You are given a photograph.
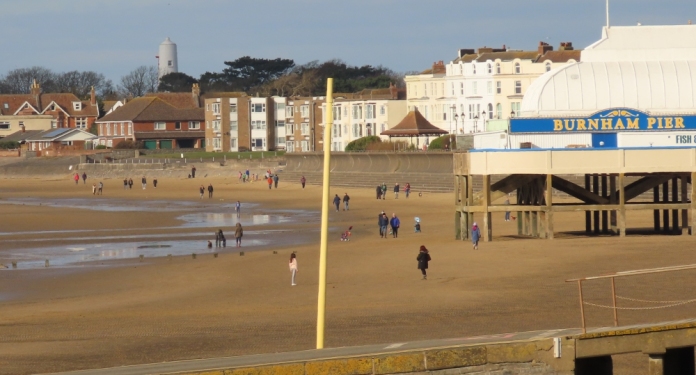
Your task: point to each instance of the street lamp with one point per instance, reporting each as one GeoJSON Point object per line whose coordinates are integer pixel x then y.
{"type": "Point", "coordinates": [512, 114]}
{"type": "Point", "coordinates": [483, 117]}
{"type": "Point", "coordinates": [463, 116]}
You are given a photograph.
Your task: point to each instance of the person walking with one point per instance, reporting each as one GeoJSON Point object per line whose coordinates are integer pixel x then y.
{"type": "Point", "coordinates": [475, 235]}
{"type": "Point", "coordinates": [337, 202]}
{"type": "Point", "coordinates": [238, 208]}
{"type": "Point", "coordinates": [346, 199]}
{"type": "Point", "coordinates": [396, 191]}
{"type": "Point", "coordinates": [293, 268]}
{"type": "Point", "coordinates": [100, 190]}
{"type": "Point", "coordinates": [84, 178]}
{"type": "Point", "coordinates": [383, 224]}
{"type": "Point", "coordinates": [218, 238]}
{"type": "Point", "coordinates": [303, 181]}
{"type": "Point", "coordinates": [379, 192]}
{"type": "Point", "coordinates": [201, 190]}
{"type": "Point", "coordinates": [130, 183]}
{"type": "Point", "coordinates": [238, 233]}
{"type": "Point", "coordinates": [423, 259]}
{"type": "Point", "coordinates": [210, 191]}
{"type": "Point", "coordinates": [76, 177]}
{"type": "Point", "coordinates": [94, 189]}
{"type": "Point", "coordinates": [269, 179]}
{"type": "Point", "coordinates": [154, 183]}
{"type": "Point", "coordinates": [240, 177]}
{"type": "Point", "coordinates": [193, 171]}
{"type": "Point", "coordinates": [384, 190]}
{"type": "Point", "coordinates": [507, 213]}
{"type": "Point", "coordinates": [275, 180]}
{"type": "Point", "coordinates": [144, 181]}
{"type": "Point", "coordinates": [407, 189]}
{"type": "Point", "coordinates": [125, 183]}
{"type": "Point", "coordinates": [395, 223]}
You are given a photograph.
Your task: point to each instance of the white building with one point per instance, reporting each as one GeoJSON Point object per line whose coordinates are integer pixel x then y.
{"type": "Point", "coordinates": [357, 118]}
{"type": "Point", "coordinates": [479, 87]}
{"type": "Point", "coordinates": [167, 61]}
{"type": "Point", "coordinates": [635, 87]}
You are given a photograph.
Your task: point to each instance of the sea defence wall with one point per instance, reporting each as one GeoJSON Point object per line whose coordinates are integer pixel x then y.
{"type": "Point", "coordinates": [425, 171]}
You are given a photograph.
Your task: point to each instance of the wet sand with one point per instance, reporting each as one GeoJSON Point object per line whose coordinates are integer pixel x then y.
{"type": "Point", "coordinates": [125, 311]}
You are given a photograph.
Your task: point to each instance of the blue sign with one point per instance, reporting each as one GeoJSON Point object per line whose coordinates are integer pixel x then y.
{"type": "Point", "coordinates": [611, 120]}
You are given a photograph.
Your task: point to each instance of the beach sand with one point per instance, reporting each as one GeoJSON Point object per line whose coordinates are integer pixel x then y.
{"type": "Point", "coordinates": [125, 311]}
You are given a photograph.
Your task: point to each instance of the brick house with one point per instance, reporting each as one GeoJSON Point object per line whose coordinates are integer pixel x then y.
{"type": "Point", "coordinates": [52, 141]}
{"type": "Point", "coordinates": [38, 111]}
{"type": "Point", "coordinates": [236, 122]}
{"type": "Point", "coordinates": [155, 122]}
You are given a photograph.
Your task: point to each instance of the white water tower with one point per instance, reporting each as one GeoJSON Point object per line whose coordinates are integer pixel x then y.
{"type": "Point", "coordinates": [166, 60]}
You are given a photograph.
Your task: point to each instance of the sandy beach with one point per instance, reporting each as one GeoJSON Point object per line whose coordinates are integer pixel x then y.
{"type": "Point", "coordinates": [113, 312]}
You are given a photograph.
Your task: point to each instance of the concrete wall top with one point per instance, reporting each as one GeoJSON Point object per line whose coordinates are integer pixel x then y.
{"type": "Point", "coordinates": [383, 162]}
{"type": "Point", "coordinates": [650, 160]}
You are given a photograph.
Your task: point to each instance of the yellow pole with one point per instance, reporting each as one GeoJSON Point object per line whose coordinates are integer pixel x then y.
{"type": "Point", "coordinates": [321, 301]}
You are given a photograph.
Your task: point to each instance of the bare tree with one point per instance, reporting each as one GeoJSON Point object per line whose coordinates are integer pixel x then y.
{"type": "Point", "coordinates": [18, 81]}
{"type": "Point", "coordinates": [81, 83]}
{"type": "Point", "coordinates": [140, 81]}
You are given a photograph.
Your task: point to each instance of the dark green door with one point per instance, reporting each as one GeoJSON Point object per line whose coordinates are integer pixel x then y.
{"type": "Point", "coordinates": [166, 144]}
{"type": "Point", "coordinates": [150, 145]}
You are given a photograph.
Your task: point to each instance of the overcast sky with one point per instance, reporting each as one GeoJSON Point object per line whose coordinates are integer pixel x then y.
{"type": "Point", "coordinates": [114, 37]}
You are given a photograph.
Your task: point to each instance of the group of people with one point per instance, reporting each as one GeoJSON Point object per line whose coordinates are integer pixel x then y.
{"type": "Point", "coordinates": [76, 177]}
{"type": "Point", "coordinates": [128, 183]}
{"type": "Point", "coordinates": [381, 190]}
{"type": "Point", "coordinates": [337, 202]}
{"type": "Point", "coordinates": [221, 241]}
{"type": "Point", "coordinates": [201, 190]}
{"type": "Point", "coordinates": [271, 179]}
{"type": "Point", "coordinates": [388, 226]}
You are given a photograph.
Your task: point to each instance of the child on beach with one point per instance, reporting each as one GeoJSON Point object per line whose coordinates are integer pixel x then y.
{"type": "Point", "coordinates": [475, 235]}
{"type": "Point", "coordinates": [345, 236]}
{"type": "Point", "coordinates": [293, 268]}
{"type": "Point", "coordinates": [417, 226]}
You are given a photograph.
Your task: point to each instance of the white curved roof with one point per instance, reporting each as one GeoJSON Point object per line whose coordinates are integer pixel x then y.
{"type": "Point", "coordinates": [167, 41]}
{"type": "Point", "coordinates": [586, 87]}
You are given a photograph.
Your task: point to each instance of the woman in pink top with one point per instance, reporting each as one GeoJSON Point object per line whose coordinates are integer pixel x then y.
{"type": "Point", "coordinates": [293, 267]}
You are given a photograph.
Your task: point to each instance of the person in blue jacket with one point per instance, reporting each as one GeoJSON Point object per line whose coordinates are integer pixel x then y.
{"type": "Point", "coordinates": [395, 224]}
{"type": "Point", "coordinates": [475, 235]}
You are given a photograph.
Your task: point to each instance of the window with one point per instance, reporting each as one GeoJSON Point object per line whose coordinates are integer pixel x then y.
{"type": "Point", "coordinates": [194, 125]}
{"type": "Point", "coordinates": [123, 129]}
{"type": "Point", "coordinates": [130, 128]}
{"type": "Point", "coordinates": [258, 107]}
{"type": "Point", "coordinates": [216, 108]}
{"type": "Point", "coordinates": [217, 143]}
{"type": "Point", "coordinates": [289, 111]}
{"type": "Point", "coordinates": [233, 126]}
{"type": "Point", "coordinates": [452, 88]}
{"type": "Point", "coordinates": [336, 113]}
{"type": "Point", "coordinates": [177, 125]}
{"type": "Point", "coordinates": [497, 68]}
{"type": "Point", "coordinates": [159, 126]}
{"type": "Point", "coordinates": [425, 89]}
{"type": "Point", "coordinates": [490, 111]}
{"type": "Point", "coordinates": [169, 62]}
{"type": "Point", "coordinates": [357, 112]}
{"type": "Point", "coordinates": [444, 112]}
{"type": "Point", "coordinates": [382, 110]}
{"type": "Point", "coordinates": [216, 125]}
{"type": "Point", "coordinates": [77, 106]}
{"type": "Point", "coordinates": [280, 140]}
{"type": "Point", "coordinates": [233, 108]}
{"type": "Point", "coordinates": [499, 111]}
{"type": "Point", "coordinates": [461, 88]}
{"type": "Point", "coordinates": [518, 87]}
{"type": "Point", "coordinates": [515, 108]}
{"type": "Point", "coordinates": [518, 68]}
{"type": "Point", "coordinates": [305, 146]}
{"type": "Point", "coordinates": [115, 129]}
{"type": "Point", "coordinates": [4, 125]}
{"type": "Point", "coordinates": [81, 122]}
{"type": "Point", "coordinates": [490, 68]}
{"type": "Point", "coordinates": [6, 105]}
{"type": "Point", "coordinates": [474, 88]}
{"type": "Point", "coordinates": [233, 142]}
{"type": "Point", "coordinates": [280, 124]}
{"type": "Point", "coordinates": [384, 127]}
{"type": "Point", "coordinates": [258, 142]}
{"type": "Point", "coordinates": [489, 87]}
{"type": "Point", "coordinates": [258, 124]}
{"type": "Point", "coordinates": [304, 111]}
{"type": "Point", "coordinates": [473, 68]}
{"type": "Point", "coordinates": [108, 129]}
{"type": "Point", "coordinates": [280, 107]}
{"type": "Point", "coordinates": [548, 66]}
{"type": "Point", "coordinates": [356, 132]}
{"type": "Point", "coordinates": [471, 111]}
{"type": "Point", "coordinates": [290, 146]}
{"type": "Point", "coordinates": [305, 128]}
{"type": "Point", "coordinates": [498, 87]}
{"type": "Point", "coordinates": [370, 111]}
{"type": "Point", "coordinates": [368, 130]}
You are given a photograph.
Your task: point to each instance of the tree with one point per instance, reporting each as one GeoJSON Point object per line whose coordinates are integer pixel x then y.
{"type": "Point", "coordinates": [140, 81]}
{"type": "Point", "coordinates": [176, 82]}
{"type": "Point", "coordinates": [18, 81]}
{"type": "Point", "coordinates": [81, 83]}
{"type": "Point", "coordinates": [248, 72]}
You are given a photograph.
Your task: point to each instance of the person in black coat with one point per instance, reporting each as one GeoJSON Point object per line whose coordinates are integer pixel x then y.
{"type": "Point", "coordinates": [423, 259]}
{"type": "Point", "coordinates": [337, 202]}
{"type": "Point", "coordinates": [379, 192]}
{"type": "Point", "coordinates": [383, 224]}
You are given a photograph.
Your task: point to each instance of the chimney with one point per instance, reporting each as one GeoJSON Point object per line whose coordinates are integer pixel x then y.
{"type": "Point", "coordinates": [23, 129]}
{"type": "Point", "coordinates": [36, 92]}
{"type": "Point", "coordinates": [393, 91]}
{"type": "Point", "coordinates": [463, 52]}
{"type": "Point", "coordinates": [92, 97]}
{"type": "Point", "coordinates": [196, 94]}
{"type": "Point", "coordinates": [543, 48]}
{"type": "Point", "coordinates": [566, 46]}
{"type": "Point", "coordinates": [439, 67]}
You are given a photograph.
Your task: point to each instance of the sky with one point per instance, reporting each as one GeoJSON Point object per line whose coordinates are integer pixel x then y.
{"type": "Point", "coordinates": [114, 37]}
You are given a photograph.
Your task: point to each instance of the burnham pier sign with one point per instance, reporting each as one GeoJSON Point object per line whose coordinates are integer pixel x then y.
{"type": "Point", "coordinates": [610, 121]}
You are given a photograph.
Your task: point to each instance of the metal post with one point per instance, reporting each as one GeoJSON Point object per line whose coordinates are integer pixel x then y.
{"type": "Point", "coordinates": [582, 307]}
{"type": "Point", "coordinates": [321, 300]}
{"type": "Point", "coordinates": [613, 298]}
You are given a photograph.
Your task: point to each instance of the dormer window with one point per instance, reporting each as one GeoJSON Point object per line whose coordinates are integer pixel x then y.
{"type": "Point", "coordinates": [548, 66]}
{"type": "Point", "coordinates": [77, 106]}
{"type": "Point", "coordinates": [518, 68]}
